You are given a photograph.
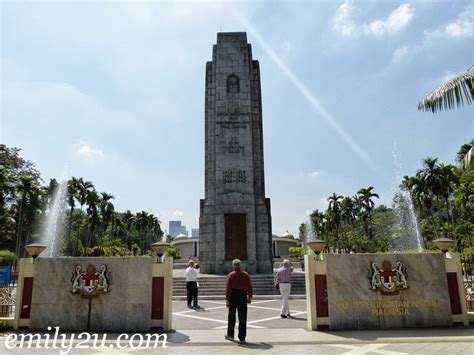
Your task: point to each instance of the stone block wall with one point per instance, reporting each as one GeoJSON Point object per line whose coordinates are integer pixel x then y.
{"type": "Point", "coordinates": [127, 307]}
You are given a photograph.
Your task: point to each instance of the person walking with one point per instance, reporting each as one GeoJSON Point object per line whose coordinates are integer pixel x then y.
{"type": "Point", "coordinates": [283, 281]}
{"type": "Point", "coordinates": [238, 293]}
{"type": "Point", "coordinates": [192, 273]}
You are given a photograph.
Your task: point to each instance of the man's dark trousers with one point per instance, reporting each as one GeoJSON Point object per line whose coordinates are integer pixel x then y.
{"type": "Point", "coordinates": [192, 291]}
{"type": "Point", "coordinates": [238, 301]}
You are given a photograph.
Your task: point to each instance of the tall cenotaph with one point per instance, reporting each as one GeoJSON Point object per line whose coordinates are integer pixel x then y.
{"type": "Point", "coordinates": [235, 219]}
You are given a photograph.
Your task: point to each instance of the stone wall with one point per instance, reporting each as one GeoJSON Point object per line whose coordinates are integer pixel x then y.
{"type": "Point", "coordinates": [353, 304]}
{"type": "Point", "coordinates": [127, 307]}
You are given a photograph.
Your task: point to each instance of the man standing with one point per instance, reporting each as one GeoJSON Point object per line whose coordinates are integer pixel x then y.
{"type": "Point", "coordinates": [283, 280]}
{"type": "Point", "coordinates": [238, 293]}
{"type": "Point", "coordinates": [192, 273]}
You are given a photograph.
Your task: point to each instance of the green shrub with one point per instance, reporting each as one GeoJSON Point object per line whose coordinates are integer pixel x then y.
{"type": "Point", "coordinates": [3, 325]}
{"type": "Point", "coordinates": [174, 252]}
{"type": "Point", "coordinates": [7, 255]}
{"type": "Point", "coordinates": [468, 253]}
{"type": "Point", "coordinates": [135, 249]}
{"type": "Point", "coordinates": [296, 252]}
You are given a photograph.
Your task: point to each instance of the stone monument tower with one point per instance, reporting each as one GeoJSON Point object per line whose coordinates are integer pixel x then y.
{"type": "Point", "coordinates": [235, 220]}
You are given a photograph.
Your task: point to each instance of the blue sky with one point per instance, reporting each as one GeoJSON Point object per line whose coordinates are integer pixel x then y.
{"type": "Point", "coordinates": [115, 91]}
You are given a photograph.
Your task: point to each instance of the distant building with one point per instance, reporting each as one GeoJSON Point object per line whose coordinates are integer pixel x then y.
{"type": "Point", "coordinates": [176, 228]}
{"type": "Point", "coordinates": [281, 244]}
{"type": "Point", "coordinates": [195, 233]}
{"type": "Point", "coordinates": [188, 248]}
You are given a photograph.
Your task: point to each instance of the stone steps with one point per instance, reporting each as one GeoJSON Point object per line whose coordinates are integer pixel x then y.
{"type": "Point", "coordinates": [214, 286]}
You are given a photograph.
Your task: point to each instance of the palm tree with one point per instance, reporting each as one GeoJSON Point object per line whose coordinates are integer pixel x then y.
{"type": "Point", "coordinates": [448, 179]}
{"type": "Point", "coordinates": [451, 94]}
{"type": "Point", "coordinates": [334, 214]}
{"type": "Point", "coordinates": [24, 189]}
{"type": "Point", "coordinates": [7, 189]}
{"type": "Point", "coordinates": [106, 211]}
{"type": "Point", "coordinates": [142, 221]}
{"type": "Point", "coordinates": [32, 210]}
{"type": "Point", "coordinates": [430, 175]}
{"type": "Point", "coordinates": [129, 219]}
{"type": "Point", "coordinates": [72, 187]}
{"type": "Point", "coordinates": [318, 224]}
{"type": "Point", "coordinates": [365, 198]}
{"type": "Point", "coordinates": [93, 201]}
{"type": "Point", "coordinates": [83, 189]}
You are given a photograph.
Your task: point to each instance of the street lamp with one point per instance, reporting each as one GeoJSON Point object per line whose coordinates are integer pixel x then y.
{"type": "Point", "coordinates": [35, 250]}
{"type": "Point", "coordinates": [443, 244]}
{"type": "Point", "coordinates": [317, 246]}
{"type": "Point", "coordinates": [159, 248]}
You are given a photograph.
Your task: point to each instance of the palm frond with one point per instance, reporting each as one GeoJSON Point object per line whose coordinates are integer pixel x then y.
{"type": "Point", "coordinates": [451, 94]}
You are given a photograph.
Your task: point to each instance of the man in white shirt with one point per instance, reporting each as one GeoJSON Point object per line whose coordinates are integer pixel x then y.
{"type": "Point", "coordinates": [192, 273]}
{"type": "Point", "coordinates": [283, 280]}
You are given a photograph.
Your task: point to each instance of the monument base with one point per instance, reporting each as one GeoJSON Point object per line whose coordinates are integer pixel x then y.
{"type": "Point", "coordinates": [235, 231]}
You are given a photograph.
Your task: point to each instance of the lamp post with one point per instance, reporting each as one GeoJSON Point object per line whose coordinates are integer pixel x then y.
{"type": "Point", "coordinates": [159, 248]}
{"type": "Point", "coordinates": [443, 244]}
{"type": "Point", "coordinates": [35, 250]}
{"type": "Point", "coordinates": [317, 246]}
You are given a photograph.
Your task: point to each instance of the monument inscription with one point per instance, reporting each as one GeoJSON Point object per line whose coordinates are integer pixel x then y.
{"type": "Point", "coordinates": [369, 291]}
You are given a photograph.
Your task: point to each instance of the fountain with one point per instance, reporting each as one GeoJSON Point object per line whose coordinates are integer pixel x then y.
{"type": "Point", "coordinates": [53, 227]}
{"type": "Point", "coordinates": [409, 237]}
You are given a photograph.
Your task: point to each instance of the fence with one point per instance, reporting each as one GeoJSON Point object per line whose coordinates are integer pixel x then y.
{"type": "Point", "coordinates": [467, 264]}
{"type": "Point", "coordinates": [8, 288]}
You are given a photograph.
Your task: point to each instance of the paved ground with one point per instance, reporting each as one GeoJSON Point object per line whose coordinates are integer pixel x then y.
{"type": "Point", "coordinates": [293, 341]}
{"type": "Point", "coordinates": [262, 314]}
{"type": "Point", "coordinates": [202, 332]}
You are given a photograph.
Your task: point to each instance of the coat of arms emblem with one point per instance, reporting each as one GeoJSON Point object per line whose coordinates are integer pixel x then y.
{"type": "Point", "coordinates": [91, 282]}
{"type": "Point", "coordinates": [387, 279]}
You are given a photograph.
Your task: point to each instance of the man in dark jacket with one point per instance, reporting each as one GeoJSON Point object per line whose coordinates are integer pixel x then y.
{"type": "Point", "coordinates": [238, 293]}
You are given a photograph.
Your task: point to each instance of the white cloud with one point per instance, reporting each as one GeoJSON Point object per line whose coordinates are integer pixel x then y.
{"type": "Point", "coordinates": [375, 28]}
{"type": "Point", "coordinates": [178, 213]}
{"type": "Point", "coordinates": [315, 174]}
{"type": "Point", "coordinates": [397, 20]}
{"type": "Point", "coordinates": [324, 200]}
{"type": "Point", "coordinates": [400, 18]}
{"type": "Point", "coordinates": [463, 26]}
{"type": "Point", "coordinates": [89, 153]}
{"type": "Point", "coordinates": [400, 53]}
{"type": "Point", "coordinates": [343, 19]}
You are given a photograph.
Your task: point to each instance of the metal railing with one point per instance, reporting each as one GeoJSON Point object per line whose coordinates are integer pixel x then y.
{"type": "Point", "coordinates": [8, 288]}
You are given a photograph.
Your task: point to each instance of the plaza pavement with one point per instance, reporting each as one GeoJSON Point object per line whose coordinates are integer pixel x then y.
{"type": "Point", "coordinates": [202, 332]}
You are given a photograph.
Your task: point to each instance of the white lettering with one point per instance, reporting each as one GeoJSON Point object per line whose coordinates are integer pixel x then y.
{"type": "Point", "coordinates": [8, 341]}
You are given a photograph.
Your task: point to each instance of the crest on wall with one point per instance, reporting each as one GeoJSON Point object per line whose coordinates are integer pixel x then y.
{"type": "Point", "coordinates": [91, 282]}
{"type": "Point", "coordinates": [387, 279]}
